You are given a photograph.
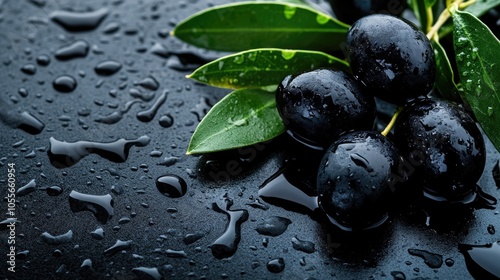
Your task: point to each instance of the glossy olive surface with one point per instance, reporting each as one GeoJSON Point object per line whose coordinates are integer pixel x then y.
{"type": "Point", "coordinates": [319, 105]}
{"type": "Point", "coordinates": [443, 145]}
{"type": "Point", "coordinates": [392, 57]}
{"type": "Point", "coordinates": [354, 179]}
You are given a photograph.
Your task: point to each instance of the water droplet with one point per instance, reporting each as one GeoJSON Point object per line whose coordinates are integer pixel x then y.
{"type": "Point", "coordinates": [166, 121]}
{"type": "Point", "coordinates": [237, 122]}
{"type": "Point", "coordinates": [118, 247]}
{"type": "Point", "coordinates": [322, 19]}
{"type": "Point", "coordinates": [23, 92]}
{"type": "Point", "coordinates": [201, 109]}
{"type": "Point", "coordinates": [107, 67]}
{"type": "Point", "coordinates": [178, 254]}
{"type": "Point", "coordinates": [430, 259]}
{"type": "Point", "coordinates": [100, 205]}
{"type": "Point", "coordinates": [226, 245]}
{"type": "Point", "coordinates": [491, 229]}
{"type": "Point", "coordinates": [279, 190]}
{"type": "Point", "coordinates": [54, 190]}
{"type": "Point", "coordinates": [98, 233]}
{"type": "Point", "coordinates": [83, 21]}
{"type": "Point", "coordinates": [474, 53]}
{"type": "Point", "coordinates": [148, 83]}
{"type": "Point", "coordinates": [149, 114]}
{"type": "Point", "coordinates": [490, 111]}
{"type": "Point", "coordinates": [398, 275]}
{"type": "Point", "coordinates": [191, 238]}
{"type": "Point", "coordinates": [288, 54]}
{"type": "Point", "coordinates": [289, 11]}
{"type": "Point", "coordinates": [169, 161]}
{"type": "Point", "coordinates": [171, 186]}
{"type": "Point", "coordinates": [64, 83]}
{"type": "Point", "coordinates": [29, 123]}
{"type": "Point", "coordinates": [116, 116]}
{"type": "Point", "coordinates": [65, 154]}
{"type": "Point", "coordinates": [496, 174]}
{"type": "Point", "coordinates": [468, 84]}
{"type": "Point", "coordinates": [111, 27]}
{"type": "Point", "coordinates": [29, 69]}
{"type": "Point", "coordinates": [147, 273]}
{"type": "Point", "coordinates": [57, 240]}
{"type": "Point", "coordinates": [273, 226]}
{"type": "Point", "coordinates": [259, 205]}
{"type": "Point", "coordinates": [26, 189]}
{"type": "Point", "coordinates": [302, 245]}
{"type": "Point", "coordinates": [482, 260]}
{"type": "Point", "coordinates": [239, 59]}
{"type": "Point", "coordinates": [276, 265]}
{"type": "Point", "coordinates": [76, 49]}
{"type": "Point", "coordinates": [461, 41]}
{"type": "Point", "coordinates": [144, 96]}
{"type": "Point", "coordinates": [43, 60]}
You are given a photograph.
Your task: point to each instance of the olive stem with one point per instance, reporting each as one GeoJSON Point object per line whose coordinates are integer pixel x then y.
{"type": "Point", "coordinates": [392, 122]}
{"type": "Point", "coordinates": [445, 15]}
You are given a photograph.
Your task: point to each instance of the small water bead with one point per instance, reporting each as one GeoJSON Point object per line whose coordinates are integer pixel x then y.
{"type": "Point", "coordinates": [64, 83]}
{"type": "Point", "coordinates": [58, 239]}
{"type": "Point", "coordinates": [178, 254]}
{"type": "Point", "coordinates": [29, 123]}
{"type": "Point", "coordinates": [111, 28]}
{"type": "Point", "coordinates": [289, 11]}
{"type": "Point", "coordinates": [490, 111]}
{"type": "Point", "coordinates": [491, 229]}
{"type": "Point", "coordinates": [171, 185]}
{"type": "Point", "coordinates": [23, 92]}
{"type": "Point", "coordinates": [276, 265]}
{"type": "Point", "coordinates": [29, 69]}
{"type": "Point", "coordinates": [191, 238]}
{"type": "Point", "coordinates": [303, 245]}
{"type": "Point", "coordinates": [26, 189]}
{"type": "Point", "coordinates": [79, 21]}
{"type": "Point", "coordinates": [118, 247]}
{"type": "Point", "coordinates": [398, 275]}
{"type": "Point", "coordinates": [107, 68]}
{"type": "Point", "coordinates": [144, 96]}
{"type": "Point", "coordinates": [147, 273]}
{"type": "Point", "coordinates": [148, 83]}
{"type": "Point", "coordinates": [73, 50]}
{"type": "Point", "coordinates": [100, 205]}
{"type": "Point", "coordinates": [98, 233]}
{"type": "Point", "coordinates": [201, 109]}
{"type": "Point", "coordinates": [273, 226]}
{"type": "Point", "coordinates": [54, 190]}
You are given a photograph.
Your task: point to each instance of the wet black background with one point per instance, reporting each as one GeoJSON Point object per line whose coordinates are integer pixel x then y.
{"type": "Point", "coordinates": [158, 223]}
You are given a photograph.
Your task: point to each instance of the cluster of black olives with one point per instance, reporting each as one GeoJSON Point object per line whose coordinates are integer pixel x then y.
{"type": "Point", "coordinates": [436, 145]}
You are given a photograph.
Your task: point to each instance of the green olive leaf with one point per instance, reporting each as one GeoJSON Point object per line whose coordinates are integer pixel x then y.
{"type": "Point", "coordinates": [262, 68]}
{"type": "Point", "coordinates": [445, 82]}
{"type": "Point", "coordinates": [478, 61]}
{"type": "Point", "coordinates": [480, 7]}
{"type": "Point", "coordinates": [250, 25]}
{"type": "Point", "coordinates": [242, 118]}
